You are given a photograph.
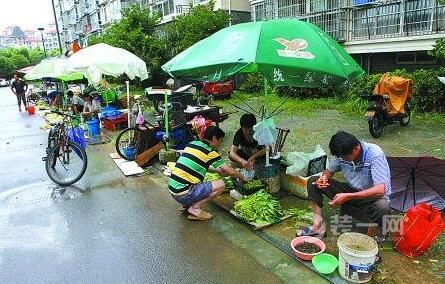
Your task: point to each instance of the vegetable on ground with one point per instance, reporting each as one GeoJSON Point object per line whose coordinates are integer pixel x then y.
{"type": "Point", "coordinates": [260, 207]}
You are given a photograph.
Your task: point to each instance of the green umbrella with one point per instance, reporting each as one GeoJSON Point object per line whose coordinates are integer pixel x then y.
{"type": "Point", "coordinates": [288, 52]}
{"type": "Point", "coordinates": [54, 67]}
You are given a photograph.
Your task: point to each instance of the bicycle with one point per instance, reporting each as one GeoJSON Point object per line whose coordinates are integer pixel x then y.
{"type": "Point", "coordinates": [128, 141]}
{"type": "Point", "coordinates": [65, 161]}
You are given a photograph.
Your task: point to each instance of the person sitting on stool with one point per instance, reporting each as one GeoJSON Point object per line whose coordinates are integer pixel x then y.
{"type": "Point", "coordinates": [91, 107]}
{"type": "Point", "coordinates": [366, 190]}
{"type": "Point", "coordinates": [244, 148]}
{"type": "Point", "coordinates": [76, 101]}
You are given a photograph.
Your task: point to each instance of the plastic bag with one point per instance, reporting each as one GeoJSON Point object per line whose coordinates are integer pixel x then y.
{"type": "Point", "coordinates": [265, 132]}
{"type": "Point", "coordinates": [140, 118]}
{"type": "Point", "coordinates": [248, 174]}
{"type": "Point", "coordinates": [200, 124]}
{"type": "Point", "coordinates": [300, 161]}
{"type": "Point", "coordinates": [110, 111]}
{"type": "Point", "coordinates": [77, 135]}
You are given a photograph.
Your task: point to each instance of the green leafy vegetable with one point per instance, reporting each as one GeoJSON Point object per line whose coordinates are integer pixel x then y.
{"type": "Point", "coordinates": [214, 176]}
{"type": "Point", "coordinates": [303, 215]}
{"type": "Point", "coordinates": [260, 207]}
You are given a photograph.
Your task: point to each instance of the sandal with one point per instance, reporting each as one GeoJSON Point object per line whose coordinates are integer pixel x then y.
{"type": "Point", "coordinates": [202, 216]}
{"type": "Point", "coordinates": [307, 231]}
{"type": "Point", "coordinates": [183, 208]}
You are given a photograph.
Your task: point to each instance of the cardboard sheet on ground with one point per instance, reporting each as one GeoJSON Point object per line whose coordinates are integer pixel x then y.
{"type": "Point", "coordinates": [129, 168]}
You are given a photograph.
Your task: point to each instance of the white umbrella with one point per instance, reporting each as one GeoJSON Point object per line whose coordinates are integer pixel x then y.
{"type": "Point", "coordinates": [103, 59]}
{"type": "Point", "coordinates": [54, 67]}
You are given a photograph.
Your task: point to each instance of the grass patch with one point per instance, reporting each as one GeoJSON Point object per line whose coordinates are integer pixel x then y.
{"type": "Point", "coordinates": [355, 107]}
{"type": "Point", "coordinates": [305, 107]}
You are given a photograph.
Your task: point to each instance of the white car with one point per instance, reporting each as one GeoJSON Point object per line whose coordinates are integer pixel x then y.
{"type": "Point", "coordinates": [4, 82]}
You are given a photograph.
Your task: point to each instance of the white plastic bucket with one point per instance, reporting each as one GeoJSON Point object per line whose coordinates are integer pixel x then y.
{"type": "Point", "coordinates": [357, 254]}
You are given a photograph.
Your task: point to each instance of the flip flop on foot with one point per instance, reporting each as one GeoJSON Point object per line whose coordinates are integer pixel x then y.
{"type": "Point", "coordinates": [183, 209]}
{"type": "Point", "coordinates": [202, 216]}
{"type": "Point", "coordinates": [307, 231]}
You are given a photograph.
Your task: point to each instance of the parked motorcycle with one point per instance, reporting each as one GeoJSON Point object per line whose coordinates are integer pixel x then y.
{"type": "Point", "coordinates": [388, 104]}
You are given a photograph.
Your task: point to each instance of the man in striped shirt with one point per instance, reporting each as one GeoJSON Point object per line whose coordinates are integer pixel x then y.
{"type": "Point", "coordinates": [186, 181]}
{"type": "Point", "coordinates": [364, 195]}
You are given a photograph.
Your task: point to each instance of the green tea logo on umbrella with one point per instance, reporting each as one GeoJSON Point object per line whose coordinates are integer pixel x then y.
{"type": "Point", "coordinates": [294, 48]}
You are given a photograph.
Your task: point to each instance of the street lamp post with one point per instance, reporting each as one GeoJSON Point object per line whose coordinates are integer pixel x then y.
{"type": "Point", "coordinates": [57, 27]}
{"type": "Point", "coordinates": [43, 43]}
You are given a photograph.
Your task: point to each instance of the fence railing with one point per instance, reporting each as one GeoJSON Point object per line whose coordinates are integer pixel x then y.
{"type": "Point", "coordinates": [349, 22]}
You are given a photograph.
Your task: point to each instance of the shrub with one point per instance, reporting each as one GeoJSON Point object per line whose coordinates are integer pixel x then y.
{"type": "Point", "coordinates": [253, 83]}
{"type": "Point", "coordinates": [428, 91]}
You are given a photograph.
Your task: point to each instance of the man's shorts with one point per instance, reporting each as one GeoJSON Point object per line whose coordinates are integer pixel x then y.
{"type": "Point", "coordinates": [197, 193]}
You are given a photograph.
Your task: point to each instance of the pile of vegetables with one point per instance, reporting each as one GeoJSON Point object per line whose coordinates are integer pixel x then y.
{"type": "Point", "coordinates": [214, 176]}
{"type": "Point", "coordinates": [41, 105]}
{"type": "Point", "coordinates": [301, 215]}
{"type": "Point", "coordinates": [251, 187]}
{"type": "Point", "coordinates": [53, 118]}
{"type": "Point", "coordinates": [260, 207]}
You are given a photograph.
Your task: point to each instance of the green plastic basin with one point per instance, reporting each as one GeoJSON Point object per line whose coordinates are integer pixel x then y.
{"type": "Point", "coordinates": [325, 263]}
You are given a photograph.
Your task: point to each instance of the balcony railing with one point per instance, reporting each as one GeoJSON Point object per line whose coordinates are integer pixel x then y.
{"type": "Point", "coordinates": [349, 22]}
{"type": "Point", "coordinates": [182, 9]}
{"type": "Point", "coordinates": [167, 11]}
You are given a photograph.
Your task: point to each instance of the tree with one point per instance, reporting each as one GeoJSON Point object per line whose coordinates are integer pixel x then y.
{"type": "Point", "coordinates": [7, 68]}
{"type": "Point", "coordinates": [12, 59]}
{"type": "Point", "coordinates": [19, 60]}
{"type": "Point", "coordinates": [35, 56]}
{"type": "Point", "coordinates": [135, 32]}
{"type": "Point", "coordinates": [138, 32]}
{"type": "Point", "coordinates": [187, 29]}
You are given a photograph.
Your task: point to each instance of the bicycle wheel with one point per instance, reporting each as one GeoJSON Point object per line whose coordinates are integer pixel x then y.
{"type": "Point", "coordinates": [127, 143]}
{"type": "Point", "coordinates": [66, 164]}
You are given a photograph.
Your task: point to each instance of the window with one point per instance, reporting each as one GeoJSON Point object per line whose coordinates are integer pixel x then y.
{"type": "Point", "coordinates": [414, 58]}
{"type": "Point", "coordinates": [198, 1]}
{"type": "Point", "coordinates": [166, 7]}
{"type": "Point", "coordinates": [259, 12]}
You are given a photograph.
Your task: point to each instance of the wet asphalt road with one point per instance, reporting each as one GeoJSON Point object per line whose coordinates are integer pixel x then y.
{"type": "Point", "coordinates": [112, 229]}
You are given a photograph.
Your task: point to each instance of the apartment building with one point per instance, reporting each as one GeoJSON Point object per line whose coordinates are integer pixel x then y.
{"type": "Point", "coordinates": [381, 35]}
{"type": "Point", "coordinates": [12, 36]}
{"type": "Point", "coordinates": [79, 19]}
{"type": "Point", "coordinates": [169, 9]}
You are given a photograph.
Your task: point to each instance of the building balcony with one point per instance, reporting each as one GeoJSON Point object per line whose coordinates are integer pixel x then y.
{"type": "Point", "coordinates": [361, 20]}
{"type": "Point", "coordinates": [169, 13]}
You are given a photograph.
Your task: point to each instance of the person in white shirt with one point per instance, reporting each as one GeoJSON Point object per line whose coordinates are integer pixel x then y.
{"type": "Point", "coordinates": [91, 107]}
{"type": "Point", "coordinates": [77, 103]}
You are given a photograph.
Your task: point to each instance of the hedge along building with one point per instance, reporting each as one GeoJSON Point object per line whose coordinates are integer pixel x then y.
{"type": "Point", "coordinates": [380, 35]}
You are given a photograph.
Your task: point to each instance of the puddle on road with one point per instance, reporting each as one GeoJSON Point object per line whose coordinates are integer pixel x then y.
{"type": "Point", "coordinates": [38, 194]}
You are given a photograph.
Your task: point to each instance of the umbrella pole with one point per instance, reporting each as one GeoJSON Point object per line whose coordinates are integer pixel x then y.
{"type": "Point", "coordinates": [128, 102]}
{"type": "Point", "coordinates": [166, 119]}
{"type": "Point", "coordinates": [265, 97]}
{"type": "Point", "coordinates": [265, 115]}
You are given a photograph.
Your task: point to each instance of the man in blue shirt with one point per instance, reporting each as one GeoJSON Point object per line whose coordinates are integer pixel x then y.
{"type": "Point", "coordinates": [364, 195]}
